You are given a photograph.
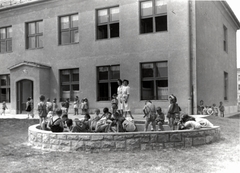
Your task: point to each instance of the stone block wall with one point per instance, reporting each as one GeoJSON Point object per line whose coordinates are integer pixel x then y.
{"type": "Point", "coordinates": [98, 142]}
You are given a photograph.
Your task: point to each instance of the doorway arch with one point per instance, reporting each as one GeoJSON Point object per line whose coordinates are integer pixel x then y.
{"type": "Point", "coordinates": [24, 91]}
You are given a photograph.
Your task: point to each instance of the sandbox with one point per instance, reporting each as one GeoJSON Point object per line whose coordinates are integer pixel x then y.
{"type": "Point", "coordinates": [127, 141]}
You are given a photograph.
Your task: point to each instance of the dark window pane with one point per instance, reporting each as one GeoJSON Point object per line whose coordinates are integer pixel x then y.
{"type": "Point", "coordinates": [65, 76]}
{"type": "Point", "coordinates": [102, 16]}
{"type": "Point", "coordinates": [161, 23]}
{"type": "Point", "coordinates": [64, 22]}
{"type": "Point", "coordinates": [162, 69]}
{"type": "Point", "coordinates": [75, 87]}
{"type": "Point", "coordinates": [40, 41]}
{"type": "Point", "coordinates": [146, 25]}
{"type": "Point", "coordinates": [161, 6]}
{"type": "Point", "coordinates": [102, 32]}
{"type": "Point", "coordinates": [146, 8]}
{"type": "Point", "coordinates": [31, 28]}
{"type": "Point", "coordinates": [75, 77]}
{"type": "Point", "coordinates": [162, 89]}
{"type": "Point", "coordinates": [65, 37]}
{"type": "Point", "coordinates": [3, 47]}
{"type": "Point", "coordinates": [3, 93]}
{"type": "Point", "coordinates": [147, 90]}
{"type": "Point", "coordinates": [103, 73]}
{"type": "Point", "coordinates": [74, 36]}
{"type": "Point", "coordinates": [114, 30]}
{"type": "Point", "coordinates": [114, 86]}
{"type": "Point", "coordinates": [2, 33]}
{"type": "Point", "coordinates": [40, 27]}
{"type": "Point", "coordinates": [9, 32]}
{"type": "Point", "coordinates": [114, 14]}
{"type": "Point", "coordinates": [3, 80]}
{"type": "Point", "coordinates": [103, 91]}
{"type": "Point", "coordinates": [115, 72]}
{"type": "Point", "coordinates": [31, 43]}
{"type": "Point", "coordinates": [147, 70]}
{"type": "Point", "coordinates": [65, 87]}
{"type": "Point", "coordinates": [9, 45]}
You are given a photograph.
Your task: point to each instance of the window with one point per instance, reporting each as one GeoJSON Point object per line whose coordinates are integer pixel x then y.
{"type": "Point", "coordinates": [69, 84]}
{"type": "Point", "coordinates": [154, 81]}
{"type": "Point", "coordinates": [68, 29]}
{"type": "Point", "coordinates": [225, 38]}
{"type": "Point", "coordinates": [6, 39]}
{"type": "Point", "coordinates": [107, 81]}
{"type": "Point", "coordinates": [5, 88]}
{"type": "Point", "coordinates": [35, 35]}
{"type": "Point", "coordinates": [239, 87]}
{"type": "Point", "coordinates": [225, 86]}
{"type": "Point", "coordinates": [108, 23]}
{"type": "Point", "coordinates": [153, 16]}
{"type": "Point", "coordinates": [238, 77]}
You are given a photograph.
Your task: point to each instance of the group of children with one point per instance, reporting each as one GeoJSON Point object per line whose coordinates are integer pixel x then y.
{"type": "Point", "coordinates": [211, 110]}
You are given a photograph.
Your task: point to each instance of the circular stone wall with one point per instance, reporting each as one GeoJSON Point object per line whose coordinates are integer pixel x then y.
{"type": "Point", "coordinates": [152, 140]}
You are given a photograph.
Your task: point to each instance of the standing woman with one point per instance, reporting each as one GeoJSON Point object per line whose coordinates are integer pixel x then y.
{"type": "Point", "coordinates": [28, 106]}
{"type": "Point", "coordinates": [119, 96]}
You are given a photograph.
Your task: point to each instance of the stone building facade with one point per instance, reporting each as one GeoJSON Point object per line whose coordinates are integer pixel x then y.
{"type": "Point", "coordinates": [64, 49]}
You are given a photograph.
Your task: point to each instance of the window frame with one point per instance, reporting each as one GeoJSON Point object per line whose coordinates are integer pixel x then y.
{"type": "Point", "coordinates": [6, 40]}
{"type": "Point", "coordinates": [225, 39]}
{"type": "Point", "coordinates": [226, 85]}
{"type": "Point", "coordinates": [107, 23]}
{"type": "Point", "coordinates": [70, 83]}
{"type": "Point", "coordinates": [7, 87]}
{"type": "Point", "coordinates": [108, 81]}
{"type": "Point", "coordinates": [60, 30]}
{"type": "Point", "coordinates": [153, 16]}
{"type": "Point", "coordinates": [36, 35]}
{"type": "Point", "coordinates": [155, 78]}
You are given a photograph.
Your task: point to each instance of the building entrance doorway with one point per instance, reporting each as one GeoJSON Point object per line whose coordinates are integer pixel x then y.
{"type": "Point", "coordinates": [24, 91]}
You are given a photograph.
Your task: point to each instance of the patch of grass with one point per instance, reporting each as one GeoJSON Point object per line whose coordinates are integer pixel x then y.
{"type": "Point", "coordinates": [17, 156]}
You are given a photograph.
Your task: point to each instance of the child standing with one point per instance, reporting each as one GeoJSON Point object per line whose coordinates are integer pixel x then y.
{"type": "Point", "coordinates": [221, 109]}
{"type": "Point", "coordinates": [54, 105]}
{"type": "Point", "coordinates": [173, 111]}
{"type": "Point", "coordinates": [215, 109]}
{"type": "Point", "coordinates": [125, 98]}
{"type": "Point", "coordinates": [75, 107]}
{"type": "Point", "coordinates": [49, 105]}
{"type": "Point", "coordinates": [42, 109]}
{"type": "Point", "coordinates": [149, 111]}
{"type": "Point", "coordinates": [160, 118]}
{"type": "Point", "coordinates": [4, 107]}
{"type": "Point", "coordinates": [210, 110]}
{"type": "Point", "coordinates": [84, 106]}
{"type": "Point", "coordinates": [67, 104]}
{"type": "Point", "coordinates": [63, 108]}
{"type": "Point", "coordinates": [28, 106]}
{"type": "Point", "coordinates": [114, 103]}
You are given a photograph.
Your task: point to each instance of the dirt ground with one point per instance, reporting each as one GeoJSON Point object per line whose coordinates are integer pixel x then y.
{"type": "Point", "coordinates": [16, 156]}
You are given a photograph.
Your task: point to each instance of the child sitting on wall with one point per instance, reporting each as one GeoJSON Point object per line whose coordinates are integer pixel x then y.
{"type": "Point", "coordinates": [56, 123]}
{"type": "Point", "coordinates": [160, 118]}
{"type": "Point", "coordinates": [105, 121]}
{"type": "Point", "coordinates": [150, 114]}
{"type": "Point", "coordinates": [93, 122]}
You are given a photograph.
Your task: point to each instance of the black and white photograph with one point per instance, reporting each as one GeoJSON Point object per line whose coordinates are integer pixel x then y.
{"type": "Point", "coordinates": [119, 86]}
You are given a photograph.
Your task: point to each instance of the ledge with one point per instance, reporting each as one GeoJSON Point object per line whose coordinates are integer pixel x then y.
{"type": "Point", "coordinates": [128, 141]}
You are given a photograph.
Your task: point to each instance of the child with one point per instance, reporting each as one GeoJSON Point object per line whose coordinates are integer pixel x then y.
{"type": "Point", "coordinates": [221, 109]}
{"type": "Point", "coordinates": [119, 119]}
{"type": "Point", "coordinates": [210, 110]}
{"type": "Point", "coordinates": [114, 103]}
{"type": "Point", "coordinates": [104, 123]}
{"type": "Point", "coordinates": [215, 109]}
{"type": "Point", "coordinates": [64, 119]}
{"type": "Point", "coordinates": [49, 105]}
{"type": "Point", "coordinates": [28, 106]}
{"type": "Point", "coordinates": [67, 105]}
{"type": "Point", "coordinates": [4, 107]}
{"type": "Point", "coordinates": [54, 105]}
{"type": "Point", "coordinates": [160, 118]}
{"type": "Point", "coordinates": [128, 125]}
{"type": "Point", "coordinates": [44, 125]}
{"type": "Point", "coordinates": [149, 111]}
{"type": "Point", "coordinates": [96, 118]}
{"type": "Point", "coordinates": [183, 119]}
{"type": "Point", "coordinates": [63, 108]}
{"type": "Point", "coordinates": [69, 123]}
{"type": "Point", "coordinates": [79, 126]}
{"type": "Point", "coordinates": [191, 125]}
{"type": "Point", "coordinates": [56, 123]}
{"type": "Point", "coordinates": [84, 106]}
{"type": "Point", "coordinates": [173, 111]}
{"type": "Point", "coordinates": [75, 107]}
{"type": "Point", "coordinates": [42, 109]}
{"type": "Point", "coordinates": [205, 110]}
{"type": "Point", "coordinates": [201, 107]}
{"type": "Point", "coordinates": [31, 103]}
{"type": "Point", "coordinates": [77, 104]}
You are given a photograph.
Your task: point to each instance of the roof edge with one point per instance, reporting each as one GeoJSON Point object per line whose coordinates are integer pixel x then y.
{"type": "Point", "coordinates": [28, 63]}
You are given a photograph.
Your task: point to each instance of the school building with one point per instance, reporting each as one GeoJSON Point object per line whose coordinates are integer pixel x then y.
{"type": "Point", "coordinates": [238, 88]}
{"type": "Point", "coordinates": [63, 49]}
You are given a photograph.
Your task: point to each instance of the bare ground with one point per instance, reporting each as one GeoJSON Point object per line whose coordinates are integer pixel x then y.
{"type": "Point", "coordinates": [17, 157]}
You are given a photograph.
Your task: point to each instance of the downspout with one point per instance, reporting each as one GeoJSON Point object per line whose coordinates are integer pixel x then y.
{"type": "Point", "coordinates": [190, 95]}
